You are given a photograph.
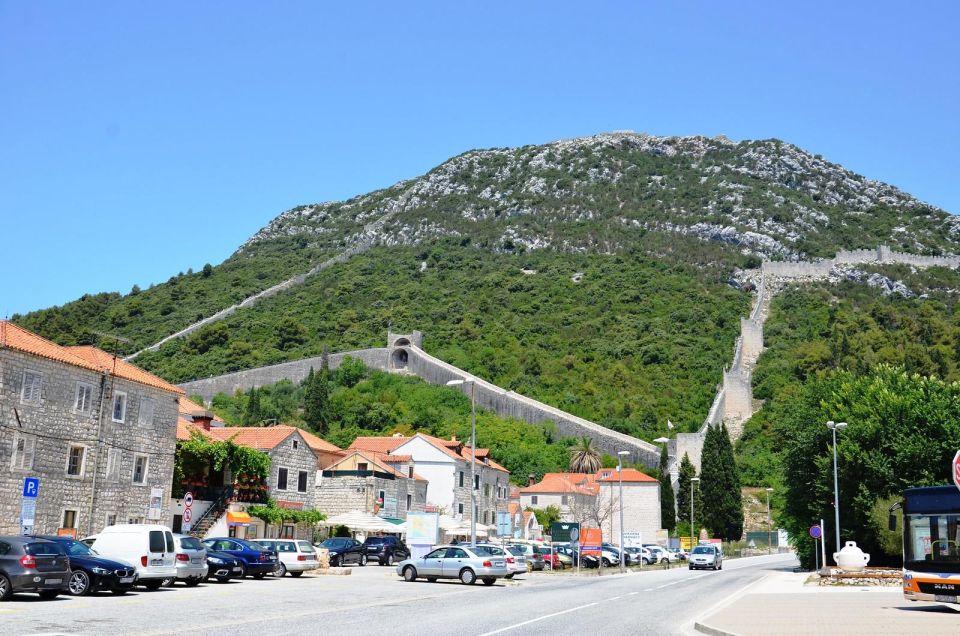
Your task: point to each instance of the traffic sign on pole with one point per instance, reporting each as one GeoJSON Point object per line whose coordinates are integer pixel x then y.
{"type": "Point", "coordinates": [955, 469]}
{"type": "Point", "coordinates": [31, 487]}
{"type": "Point", "coordinates": [815, 531]}
{"type": "Point", "coordinates": [188, 499]}
{"type": "Point", "coordinates": [187, 521]}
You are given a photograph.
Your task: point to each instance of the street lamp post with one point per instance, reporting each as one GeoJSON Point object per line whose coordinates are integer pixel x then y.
{"type": "Point", "coordinates": [693, 481]}
{"type": "Point", "coordinates": [769, 527]}
{"type": "Point", "coordinates": [473, 454]}
{"type": "Point", "coordinates": [620, 455]}
{"type": "Point", "coordinates": [834, 427]}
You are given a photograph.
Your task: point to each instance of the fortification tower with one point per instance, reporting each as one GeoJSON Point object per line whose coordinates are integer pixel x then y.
{"type": "Point", "coordinates": [399, 345]}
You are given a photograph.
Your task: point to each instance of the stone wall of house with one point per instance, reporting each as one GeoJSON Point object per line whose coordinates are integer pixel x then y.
{"type": "Point", "coordinates": [295, 460]}
{"type": "Point", "coordinates": [53, 425]}
{"type": "Point", "coordinates": [641, 509]}
{"type": "Point", "coordinates": [337, 495]}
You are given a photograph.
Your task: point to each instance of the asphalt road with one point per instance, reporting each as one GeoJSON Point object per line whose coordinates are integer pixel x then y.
{"type": "Point", "coordinates": [373, 600]}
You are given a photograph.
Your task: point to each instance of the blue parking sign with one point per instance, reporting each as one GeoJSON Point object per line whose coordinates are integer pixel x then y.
{"type": "Point", "coordinates": [31, 487]}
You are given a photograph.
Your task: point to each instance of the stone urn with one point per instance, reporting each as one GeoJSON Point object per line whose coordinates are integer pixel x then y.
{"type": "Point", "coordinates": [851, 558]}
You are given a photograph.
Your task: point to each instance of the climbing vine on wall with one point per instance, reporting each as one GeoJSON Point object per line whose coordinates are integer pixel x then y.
{"type": "Point", "coordinates": [272, 515]}
{"type": "Point", "coordinates": [197, 455]}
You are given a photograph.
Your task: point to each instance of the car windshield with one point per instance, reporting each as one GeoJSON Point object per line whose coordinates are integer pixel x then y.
{"type": "Point", "coordinates": [46, 548]}
{"type": "Point", "coordinates": [516, 550]}
{"type": "Point", "coordinates": [702, 549]}
{"type": "Point", "coordinates": [190, 543]}
{"type": "Point", "coordinates": [75, 548]}
{"type": "Point", "coordinates": [377, 540]}
{"type": "Point", "coordinates": [305, 546]}
{"type": "Point", "coordinates": [332, 543]}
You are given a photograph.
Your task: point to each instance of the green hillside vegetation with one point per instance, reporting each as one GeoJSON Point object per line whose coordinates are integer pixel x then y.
{"type": "Point", "coordinates": [819, 327]}
{"type": "Point", "coordinates": [637, 341]}
{"type": "Point", "coordinates": [364, 402]}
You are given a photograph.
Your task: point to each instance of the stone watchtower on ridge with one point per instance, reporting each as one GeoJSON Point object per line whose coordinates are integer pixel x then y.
{"type": "Point", "coordinates": [398, 345]}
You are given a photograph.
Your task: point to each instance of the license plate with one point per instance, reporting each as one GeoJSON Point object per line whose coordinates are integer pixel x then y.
{"type": "Point", "coordinates": [156, 561]}
{"type": "Point", "coordinates": [126, 579]}
{"type": "Point", "coordinates": [236, 569]}
{"type": "Point", "coordinates": [498, 564]}
{"type": "Point", "coordinates": [52, 581]}
{"type": "Point", "coordinates": [196, 560]}
{"type": "Point", "coordinates": [944, 598]}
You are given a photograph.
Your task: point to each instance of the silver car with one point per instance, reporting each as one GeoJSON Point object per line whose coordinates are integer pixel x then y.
{"type": "Point", "coordinates": [191, 560]}
{"type": "Point", "coordinates": [706, 556]}
{"type": "Point", "coordinates": [455, 562]}
{"type": "Point", "coordinates": [516, 564]}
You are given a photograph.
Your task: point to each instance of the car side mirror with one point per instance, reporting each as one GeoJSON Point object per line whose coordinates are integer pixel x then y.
{"type": "Point", "coordinates": [892, 522]}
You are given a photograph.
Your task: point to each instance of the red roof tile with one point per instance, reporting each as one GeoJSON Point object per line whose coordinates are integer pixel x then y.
{"type": "Point", "coordinates": [19, 339]}
{"type": "Point", "coordinates": [378, 444]}
{"type": "Point", "coordinates": [630, 475]}
{"type": "Point", "coordinates": [122, 369]}
{"type": "Point", "coordinates": [565, 483]}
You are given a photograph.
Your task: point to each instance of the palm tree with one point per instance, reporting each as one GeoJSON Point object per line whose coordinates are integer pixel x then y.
{"type": "Point", "coordinates": [584, 458]}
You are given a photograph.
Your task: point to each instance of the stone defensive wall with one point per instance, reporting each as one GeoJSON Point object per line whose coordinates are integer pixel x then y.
{"type": "Point", "coordinates": [294, 371]}
{"type": "Point", "coordinates": [882, 254]}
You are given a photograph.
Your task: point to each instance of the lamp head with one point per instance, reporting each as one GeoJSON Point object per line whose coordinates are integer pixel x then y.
{"type": "Point", "coordinates": [455, 382]}
{"type": "Point", "coordinates": [841, 425]}
{"type": "Point", "coordinates": [694, 480]}
{"type": "Point", "coordinates": [623, 452]}
{"type": "Point", "coordinates": [769, 489]}
{"type": "Point", "coordinates": [830, 424]}
{"type": "Point", "coordinates": [662, 440]}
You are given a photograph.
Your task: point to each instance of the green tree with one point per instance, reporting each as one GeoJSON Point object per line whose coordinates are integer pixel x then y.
{"type": "Point", "coordinates": [584, 458]}
{"type": "Point", "coordinates": [316, 401]}
{"type": "Point", "coordinates": [720, 484]}
{"type": "Point", "coordinates": [546, 516]}
{"type": "Point", "coordinates": [207, 270]}
{"type": "Point", "coordinates": [687, 472]}
{"type": "Point", "coordinates": [253, 413]}
{"type": "Point", "coordinates": [668, 515]}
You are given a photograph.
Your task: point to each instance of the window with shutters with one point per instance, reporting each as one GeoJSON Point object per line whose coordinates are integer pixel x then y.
{"type": "Point", "coordinates": [302, 481]}
{"type": "Point", "coordinates": [147, 408]}
{"type": "Point", "coordinates": [30, 392]}
{"type": "Point", "coordinates": [114, 459]}
{"type": "Point", "coordinates": [119, 406]}
{"type": "Point", "coordinates": [75, 460]}
{"type": "Point", "coordinates": [140, 466]}
{"type": "Point", "coordinates": [281, 478]}
{"type": "Point", "coordinates": [84, 398]}
{"type": "Point", "coordinates": [24, 448]}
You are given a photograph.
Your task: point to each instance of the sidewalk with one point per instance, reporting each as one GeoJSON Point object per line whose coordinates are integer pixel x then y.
{"type": "Point", "coordinates": [781, 605]}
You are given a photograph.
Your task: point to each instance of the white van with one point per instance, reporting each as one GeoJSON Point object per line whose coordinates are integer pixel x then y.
{"type": "Point", "coordinates": [149, 548]}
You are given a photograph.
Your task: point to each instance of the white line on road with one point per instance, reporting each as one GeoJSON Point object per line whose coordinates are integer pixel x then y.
{"type": "Point", "coordinates": [539, 618]}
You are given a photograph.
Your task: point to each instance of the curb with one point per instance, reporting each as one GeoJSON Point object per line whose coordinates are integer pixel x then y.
{"type": "Point", "coordinates": [712, 631]}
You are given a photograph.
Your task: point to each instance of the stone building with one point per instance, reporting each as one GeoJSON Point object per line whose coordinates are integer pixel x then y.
{"type": "Point", "coordinates": [445, 464]}
{"type": "Point", "coordinates": [98, 432]}
{"type": "Point", "coordinates": [572, 493]}
{"type": "Point", "coordinates": [383, 485]}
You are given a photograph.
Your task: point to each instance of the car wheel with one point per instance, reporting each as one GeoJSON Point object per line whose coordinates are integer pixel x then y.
{"type": "Point", "coordinates": [410, 574]}
{"type": "Point", "coordinates": [467, 576]}
{"type": "Point", "coordinates": [119, 592]}
{"type": "Point", "coordinates": [335, 562]}
{"type": "Point", "coordinates": [606, 562]}
{"type": "Point", "coordinates": [363, 560]}
{"type": "Point", "coordinates": [243, 571]}
{"type": "Point", "coordinates": [153, 584]}
{"type": "Point", "coordinates": [79, 584]}
{"type": "Point", "coordinates": [48, 595]}
{"type": "Point", "coordinates": [389, 559]}
{"type": "Point", "coordinates": [193, 581]}
{"type": "Point", "coordinates": [259, 575]}
{"type": "Point", "coordinates": [488, 581]}
{"type": "Point", "coordinates": [509, 576]}
{"type": "Point", "coordinates": [280, 570]}
{"type": "Point", "coordinates": [5, 588]}
{"type": "Point", "coordinates": [431, 579]}
{"type": "Point", "coordinates": [223, 579]}
{"type": "Point", "coordinates": [296, 574]}
{"type": "Point", "coordinates": [169, 582]}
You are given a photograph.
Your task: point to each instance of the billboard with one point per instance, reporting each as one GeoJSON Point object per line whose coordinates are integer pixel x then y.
{"type": "Point", "coordinates": [590, 541]}
{"type": "Point", "coordinates": [564, 532]}
{"type": "Point", "coordinates": [503, 524]}
{"type": "Point", "coordinates": [422, 528]}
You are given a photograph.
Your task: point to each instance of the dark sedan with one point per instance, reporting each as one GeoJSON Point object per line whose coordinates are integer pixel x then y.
{"type": "Point", "coordinates": [222, 566]}
{"type": "Point", "coordinates": [91, 572]}
{"type": "Point", "coordinates": [386, 550]}
{"type": "Point", "coordinates": [29, 564]}
{"type": "Point", "coordinates": [344, 550]}
{"type": "Point", "coordinates": [256, 560]}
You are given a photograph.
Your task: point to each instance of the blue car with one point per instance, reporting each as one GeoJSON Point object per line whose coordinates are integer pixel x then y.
{"type": "Point", "coordinates": [92, 572]}
{"type": "Point", "coordinates": [255, 559]}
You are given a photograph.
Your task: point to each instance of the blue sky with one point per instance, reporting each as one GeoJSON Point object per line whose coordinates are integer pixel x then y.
{"type": "Point", "coordinates": [141, 139]}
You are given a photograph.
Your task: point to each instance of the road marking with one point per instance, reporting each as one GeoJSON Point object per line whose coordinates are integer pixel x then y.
{"type": "Point", "coordinates": [613, 598]}
{"type": "Point", "coordinates": [538, 619]}
{"type": "Point", "coordinates": [632, 593]}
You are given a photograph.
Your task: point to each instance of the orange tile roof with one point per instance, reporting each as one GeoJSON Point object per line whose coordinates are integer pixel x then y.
{"type": "Point", "coordinates": [268, 437]}
{"type": "Point", "coordinates": [122, 369]}
{"type": "Point", "coordinates": [630, 475]}
{"type": "Point", "coordinates": [387, 445]}
{"type": "Point", "coordinates": [316, 443]}
{"type": "Point", "coordinates": [378, 444]}
{"type": "Point", "coordinates": [188, 407]}
{"type": "Point", "coordinates": [185, 428]}
{"type": "Point", "coordinates": [19, 339]}
{"type": "Point", "coordinates": [566, 483]}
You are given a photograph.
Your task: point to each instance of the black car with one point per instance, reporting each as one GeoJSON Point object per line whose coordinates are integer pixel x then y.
{"type": "Point", "coordinates": [223, 567]}
{"type": "Point", "coordinates": [344, 550]}
{"type": "Point", "coordinates": [386, 550]}
{"type": "Point", "coordinates": [92, 572]}
{"type": "Point", "coordinates": [29, 564]}
{"type": "Point", "coordinates": [257, 561]}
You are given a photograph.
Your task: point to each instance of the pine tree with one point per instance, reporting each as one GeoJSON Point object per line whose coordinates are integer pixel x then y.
{"type": "Point", "coordinates": [253, 414]}
{"type": "Point", "coordinates": [668, 515]}
{"type": "Point", "coordinates": [316, 401]}
{"type": "Point", "coordinates": [720, 483]}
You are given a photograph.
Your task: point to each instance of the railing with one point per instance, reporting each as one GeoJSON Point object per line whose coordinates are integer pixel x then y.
{"type": "Point", "coordinates": [215, 509]}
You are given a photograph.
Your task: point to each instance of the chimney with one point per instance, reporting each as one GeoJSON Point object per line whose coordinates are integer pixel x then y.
{"type": "Point", "coordinates": [530, 480]}
{"type": "Point", "coordinates": [453, 438]}
{"type": "Point", "coordinates": [203, 418]}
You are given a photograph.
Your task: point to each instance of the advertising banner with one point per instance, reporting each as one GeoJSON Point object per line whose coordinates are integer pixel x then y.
{"type": "Point", "coordinates": [590, 541]}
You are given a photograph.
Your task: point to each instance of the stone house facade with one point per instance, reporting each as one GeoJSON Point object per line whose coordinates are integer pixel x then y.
{"type": "Point", "coordinates": [376, 484]}
{"type": "Point", "coordinates": [98, 432]}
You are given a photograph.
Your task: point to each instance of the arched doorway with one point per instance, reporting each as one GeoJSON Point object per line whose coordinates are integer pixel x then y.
{"type": "Point", "coordinates": [398, 359]}
{"type": "Point", "coordinates": [401, 342]}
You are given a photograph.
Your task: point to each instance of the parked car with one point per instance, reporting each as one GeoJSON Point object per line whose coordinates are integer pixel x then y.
{"type": "Point", "coordinates": [610, 555]}
{"type": "Point", "coordinates": [223, 567]}
{"type": "Point", "coordinates": [454, 562]}
{"type": "Point", "coordinates": [637, 555]}
{"type": "Point", "coordinates": [191, 560]}
{"type": "Point", "coordinates": [256, 560]}
{"type": "Point", "coordinates": [662, 554]}
{"type": "Point", "coordinates": [585, 560]}
{"type": "Point", "coordinates": [564, 557]}
{"type": "Point", "coordinates": [551, 559]}
{"type": "Point", "coordinates": [706, 556]}
{"type": "Point", "coordinates": [345, 550]}
{"type": "Point", "coordinates": [534, 559]}
{"type": "Point", "coordinates": [91, 573]}
{"type": "Point", "coordinates": [679, 553]}
{"type": "Point", "coordinates": [386, 550]}
{"type": "Point", "coordinates": [516, 564]}
{"type": "Point", "coordinates": [295, 556]}
{"type": "Point", "coordinates": [31, 564]}
{"type": "Point", "coordinates": [149, 548]}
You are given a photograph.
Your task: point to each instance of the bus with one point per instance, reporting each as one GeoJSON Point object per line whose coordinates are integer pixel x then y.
{"type": "Point", "coordinates": [931, 543]}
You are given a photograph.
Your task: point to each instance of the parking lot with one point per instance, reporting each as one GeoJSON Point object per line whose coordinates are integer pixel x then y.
{"type": "Point", "coordinates": [374, 597]}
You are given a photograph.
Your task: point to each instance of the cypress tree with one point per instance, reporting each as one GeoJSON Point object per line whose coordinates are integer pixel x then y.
{"type": "Point", "coordinates": [686, 472]}
{"type": "Point", "coordinates": [253, 414]}
{"type": "Point", "coordinates": [668, 515]}
{"type": "Point", "coordinates": [316, 401]}
{"type": "Point", "coordinates": [720, 484]}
